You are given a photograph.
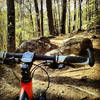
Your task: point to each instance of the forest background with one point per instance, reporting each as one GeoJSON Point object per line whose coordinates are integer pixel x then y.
{"type": "Point", "coordinates": [28, 19]}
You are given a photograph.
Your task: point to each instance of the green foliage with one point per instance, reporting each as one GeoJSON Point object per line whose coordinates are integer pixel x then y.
{"type": "Point", "coordinates": [25, 30]}
{"type": "Point", "coordinates": [2, 29]}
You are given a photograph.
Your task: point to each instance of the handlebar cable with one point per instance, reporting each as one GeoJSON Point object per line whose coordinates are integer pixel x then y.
{"type": "Point", "coordinates": [33, 71]}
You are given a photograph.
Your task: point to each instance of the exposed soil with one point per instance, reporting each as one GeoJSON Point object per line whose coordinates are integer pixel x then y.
{"type": "Point", "coordinates": [69, 83]}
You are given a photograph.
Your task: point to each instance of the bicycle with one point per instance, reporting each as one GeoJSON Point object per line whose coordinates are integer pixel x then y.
{"type": "Point", "coordinates": [27, 58]}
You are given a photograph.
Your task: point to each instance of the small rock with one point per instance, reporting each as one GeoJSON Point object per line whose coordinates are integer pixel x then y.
{"type": "Point", "coordinates": [94, 37]}
{"type": "Point", "coordinates": [62, 91]}
{"type": "Point", "coordinates": [84, 79]}
{"type": "Point", "coordinates": [85, 98]}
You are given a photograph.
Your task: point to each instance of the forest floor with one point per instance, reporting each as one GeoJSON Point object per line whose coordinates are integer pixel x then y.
{"type": "Point", "coordinates": [79, 83]}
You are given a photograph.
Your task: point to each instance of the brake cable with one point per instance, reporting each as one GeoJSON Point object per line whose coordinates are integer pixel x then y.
{"type": "Point", "coordinates": [33, 71]}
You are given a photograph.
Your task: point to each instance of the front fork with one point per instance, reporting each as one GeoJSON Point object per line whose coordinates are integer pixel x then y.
{"type": "Point", "coordinates": [26, 92]}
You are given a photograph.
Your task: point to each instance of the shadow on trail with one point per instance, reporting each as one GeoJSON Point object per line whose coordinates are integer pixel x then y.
{"type": "Point", "coordinates": [77, 82]}
{"type": "Point", "coordinates": [76, 70]}
{"type": "Point", "coordinates": [71, 81]}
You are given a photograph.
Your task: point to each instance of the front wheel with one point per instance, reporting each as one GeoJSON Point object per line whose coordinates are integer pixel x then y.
{"type": "Point", "coordinates": [23, 96]}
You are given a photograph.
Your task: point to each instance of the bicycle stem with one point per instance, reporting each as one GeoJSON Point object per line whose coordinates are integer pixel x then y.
{"type": "Point", "coordinates": [26, 74]}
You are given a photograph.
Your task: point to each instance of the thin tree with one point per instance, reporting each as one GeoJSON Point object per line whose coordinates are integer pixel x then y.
{"type": "Point", "coordinates": [63, 19]}
{"type": "Point", "coordinates": [21, 19]}
{"type": "Point", "coordinates": [55, 16]}
{"type": "Point", "coordinates": [96, 7]}
{"type": "Point", "coordinates": [37, 15]}
{"type": "Point", "coordinates": [50, 17]}
{"type": "Point", "coordinates": [69, 23]}
{"type": "Point", "coordinates": [10, 26]}
{"type": "Point", "coordinates": [80, 16]}
{"type": "Point", "coordinates": [74, 14]}
{"type": "Point", "coordinates": [42, 26]}
{"type": "Point", "coordinates": [97, 12]}
{"type": "Point", "coordinates": [88, 10]}
{"type": "Point", "coordinates": [92, 8]}
{"type": "Point", "coordinates": [58, 4]}
{"type": "Point", "coordinates": [31, 18]}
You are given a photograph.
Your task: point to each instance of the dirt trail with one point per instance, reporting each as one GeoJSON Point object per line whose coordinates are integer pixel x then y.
{"type": "Point", "coordinates": [79, 83]}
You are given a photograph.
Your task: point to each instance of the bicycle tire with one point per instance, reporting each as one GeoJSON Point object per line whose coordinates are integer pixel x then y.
{"type": "Point", "coordinates": [24, 96]}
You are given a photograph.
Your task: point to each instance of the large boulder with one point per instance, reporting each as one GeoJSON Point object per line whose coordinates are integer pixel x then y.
{"type": "Point", "coordinates": [72, 46]}
{"type": "Point", "coordinates": [39, 46]}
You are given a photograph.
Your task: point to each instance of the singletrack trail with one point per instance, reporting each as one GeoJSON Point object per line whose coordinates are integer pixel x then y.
{"type": "Point", "coordinates": [69, 83]}
{"type": "Point", "coordinates": [79, 83]}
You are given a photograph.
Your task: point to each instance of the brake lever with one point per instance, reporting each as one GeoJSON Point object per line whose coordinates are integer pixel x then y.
{"type": "Point", "coordinates": [60, 66]}
{"type": "Point", "coordinates": [11, 61]}
{"type": "Point", "coordinates": [51, 64]}
{"type": "Point", "coordinates": [54, 65]}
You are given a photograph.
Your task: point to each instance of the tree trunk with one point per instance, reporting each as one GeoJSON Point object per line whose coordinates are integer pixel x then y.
{"type": "Point", "coordinates": [74, 14]}
{"type": "Point", "coordinates": [21, 20]}
{"type": "Point", "coordinates": [86, 10]}
{"type": "Point", "coordinates": [50, 17]}
{"type": "Point", "coordinates": [37, 15]}
{"type": "Point", "coordinates": [96, 7]}
{"type": "Point", "coordinates": [69, 24]}
{"type": "Point", "coordinates": [10, 26]}
{"type": "Point", "coordinates": [63, 20]}
{"type": "Point", "coordinates": [31, 18]}
{"type": "Point", "coordinates": [58, 4]}
{"type": "Point", "coordinates": [80, 16]}
{"type": "Point", "coordinates": [42, 31]}
{"type": "Point", "coordinates": [92, 8]}
{"type": "Point", "coordinates": [55, 17]}
{"type": "Point", "coordinates": [89, 13]}
{"type": "Point", "coordinates": [97, 14]}
{"type": "Point", "coordinates": [55, 14]}
{"type": "Point", "coordinates": [30, 11]}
